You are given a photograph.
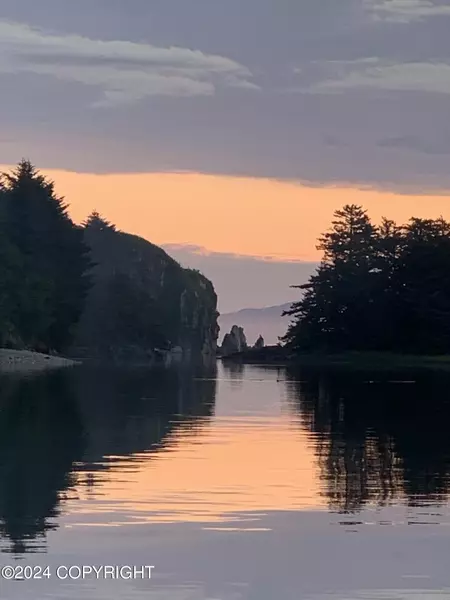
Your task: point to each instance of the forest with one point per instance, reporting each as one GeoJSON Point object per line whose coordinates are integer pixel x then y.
{"type": "Point", "coordinates": [378, 288]}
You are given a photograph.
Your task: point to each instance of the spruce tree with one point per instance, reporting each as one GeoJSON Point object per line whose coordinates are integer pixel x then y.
{"type": "Point", "coordinates": [423, 287]}
{"type": "Point", "coordinates": [54, 259]}
{"type": "Point", "coordinates": [339, 296]}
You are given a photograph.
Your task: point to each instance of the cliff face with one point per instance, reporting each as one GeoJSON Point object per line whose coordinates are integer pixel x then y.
{"type": "Point", "coordinates": [233, 342]}
{"type": "Point", "coordinates": [143, 304]}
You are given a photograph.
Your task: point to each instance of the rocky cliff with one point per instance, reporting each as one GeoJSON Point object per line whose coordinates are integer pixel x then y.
{"type": "Point", "coordinates": [142, 304]}
{"type": "Point", "coordinates": [234, 342]}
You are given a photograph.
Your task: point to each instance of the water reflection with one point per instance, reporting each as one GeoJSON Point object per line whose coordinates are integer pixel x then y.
{"type": "Point", "coordinates": [235, 372]}
{"type": "Point", "coordinates": [117, 447]}
{"type": "Point", "coordinates": [41, 434]}
{"type": "Point", "coordinates": [378, 438]}
{"type": "Point", "coordinates": [225, 481]}
{"type": "Point", "coordinates": [59, 430]}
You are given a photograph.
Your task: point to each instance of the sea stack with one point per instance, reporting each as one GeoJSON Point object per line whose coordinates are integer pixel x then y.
{"type": "Point", "coordinates": [234, 342]}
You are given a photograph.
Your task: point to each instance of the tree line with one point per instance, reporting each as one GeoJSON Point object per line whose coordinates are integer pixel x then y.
{"type": "Point", "coordinates": [383, 288]}
{"type": "Point", "coordinates": [44, 263]}
{"type": "Point", "coordinates": [377, 288]}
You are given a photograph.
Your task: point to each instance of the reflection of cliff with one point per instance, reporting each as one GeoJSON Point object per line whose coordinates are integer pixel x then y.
{"type": "Point", "coordinates": [127, 412]}
{"type": "Point", "coordinates": [56, 425]}
{"type": "Point", "coordinates": [378, 440]}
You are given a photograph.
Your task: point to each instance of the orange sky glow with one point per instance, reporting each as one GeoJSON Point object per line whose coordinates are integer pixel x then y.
{"type": "Point", "coordinates": [251, 217]}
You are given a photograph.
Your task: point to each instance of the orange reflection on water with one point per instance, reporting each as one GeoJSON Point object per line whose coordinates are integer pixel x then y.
{"type": "Point", "coordinates": [234, 466]}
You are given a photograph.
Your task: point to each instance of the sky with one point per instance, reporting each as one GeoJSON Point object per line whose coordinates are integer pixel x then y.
{"type": "Point", "coordinates": [229, 132]}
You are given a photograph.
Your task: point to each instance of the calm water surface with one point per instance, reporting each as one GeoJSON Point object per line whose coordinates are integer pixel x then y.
{"type": "Point", "coordinates": [236, 483]}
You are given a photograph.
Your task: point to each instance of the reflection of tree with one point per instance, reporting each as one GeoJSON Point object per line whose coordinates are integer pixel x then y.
{"type": "Point", "coordinates": [56, 429]}
{"type": "Point", "coordinates": [40, 437]}
{"type": "Point", "coordinates": [377, 440]}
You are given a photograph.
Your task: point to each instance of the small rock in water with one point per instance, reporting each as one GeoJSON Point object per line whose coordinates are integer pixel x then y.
{"type": "Point", "coordinates": [260, 343]}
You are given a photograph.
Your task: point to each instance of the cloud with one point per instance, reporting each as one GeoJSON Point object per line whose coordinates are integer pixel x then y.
{"type": "Point", "coordinates": [376, 78]}
{"type": "Point", "coordinates": [405, 11]}
{"type": "Point", "coordinates": [200, 251]}
{"type": "Point", "coordinates": [372, 73]}
{"type": "Point", "coordinates": [125, 71]}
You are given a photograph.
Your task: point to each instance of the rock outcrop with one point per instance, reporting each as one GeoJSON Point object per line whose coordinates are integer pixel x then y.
{"type": "Point", "coordinates": [259, 343]}
{"type": "Point", "coordinates": [233, 342]}
{"type": "Point", "coordinates": [143, 306]}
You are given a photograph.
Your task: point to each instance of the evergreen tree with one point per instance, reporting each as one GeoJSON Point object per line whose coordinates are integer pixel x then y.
{"type": "Point", "coordinates": [350, 241]}
{"type": "Point", "coordinates": [423, 287]}
{"type": "Point", "coordinates": [385, 298]}
{"type": "Point", "coordinates": [95, 223]}
{"type": "Point", "coordinates": [340, 294]}
{"type": "Point", "coordinates": [52, 286]}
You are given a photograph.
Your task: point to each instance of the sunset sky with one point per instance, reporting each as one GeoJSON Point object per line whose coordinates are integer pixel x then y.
{"type": "Point", "coordinates": [229, 132]}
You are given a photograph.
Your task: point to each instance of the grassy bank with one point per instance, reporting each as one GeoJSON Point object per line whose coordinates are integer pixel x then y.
{"type": "Point", "coordinates": [275, 355]}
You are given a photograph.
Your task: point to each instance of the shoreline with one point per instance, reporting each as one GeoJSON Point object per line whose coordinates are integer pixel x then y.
{"type": "Point", "coordinates": [277, 356]}
{"type": "Point", "coordinates": [27, 361]}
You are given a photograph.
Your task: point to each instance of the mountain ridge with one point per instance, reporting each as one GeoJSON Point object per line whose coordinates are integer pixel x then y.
{"type": "Point", "coordinates": [265, 309]}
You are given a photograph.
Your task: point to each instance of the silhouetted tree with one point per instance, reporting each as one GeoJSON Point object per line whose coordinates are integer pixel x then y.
{"type": "Point", "coordinates": [422, 284]}
{"type": "Point", "coordinates": [49, 290]}
{"type": "Point", "coordinates": [95, 222]}
{"type": "Point", "coordinates": [340, 294]}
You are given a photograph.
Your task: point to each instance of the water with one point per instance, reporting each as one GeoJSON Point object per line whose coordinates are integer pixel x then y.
{"type": "Point", "coordinates": [241, 483]}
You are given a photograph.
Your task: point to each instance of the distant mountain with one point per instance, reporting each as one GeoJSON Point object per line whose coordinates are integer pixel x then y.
{"type": "Point", "coordinates": [267, 322]}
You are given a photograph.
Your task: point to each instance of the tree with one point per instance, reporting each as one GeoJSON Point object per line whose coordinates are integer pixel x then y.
{"type": "Point", "coordinates": [95, 222]}
{"type": "Point", "coordinates": [350, 241]}
{"type": "Point", "coordinates": [422, 283]}
{"type": "Point", "coordinates": [52, 286]}
{"type": "Point", "coordinates": [339, 295]}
